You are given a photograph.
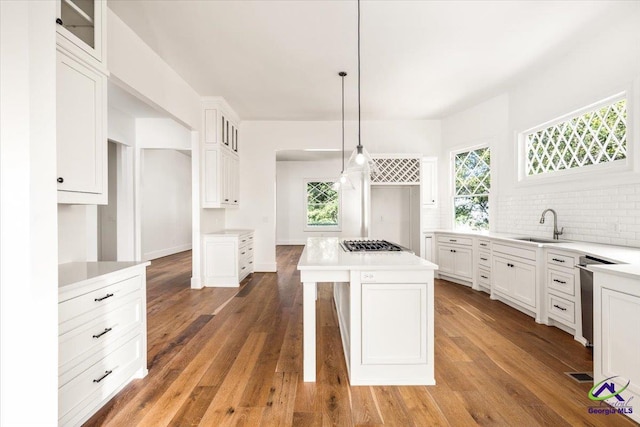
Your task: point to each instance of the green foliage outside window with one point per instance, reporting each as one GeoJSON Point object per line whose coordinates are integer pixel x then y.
{"type": "Point", "coordinates": [472, 173]}
{"type": "Point", "coordinates": [322, 204]}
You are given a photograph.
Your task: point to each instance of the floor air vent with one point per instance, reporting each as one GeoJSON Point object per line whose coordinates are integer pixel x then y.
{"type": "Point", "coordinates": [581, 377]}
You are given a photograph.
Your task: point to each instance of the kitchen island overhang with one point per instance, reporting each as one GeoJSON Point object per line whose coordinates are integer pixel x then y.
{"type": "Point", "coordinates": [385, 309]}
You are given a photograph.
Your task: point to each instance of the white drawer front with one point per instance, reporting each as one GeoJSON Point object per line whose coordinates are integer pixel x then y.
{"type": "Point", "coordinates": [96, 335]}
{"type": "Point", "coordinates": [97, 302]}
{"type": "Point", "coordinates": [518, 251]}
{"type": "Point", "coordinates": [484, 259]}
{"type": "Point", "coordinates": [455, 240]}
{"type": "Point", "coordinates": [560, 260]}
{"type": "Point", "coordinates": [91, 386]}
{"type": "Point", "coordinates": [561, 309]}
{"type": "Point", "coordinates": [484, 244]}
{"type": "Point", "coordinates": [561, 281]}
{"type": "Point", "coordinates": [484, 277]}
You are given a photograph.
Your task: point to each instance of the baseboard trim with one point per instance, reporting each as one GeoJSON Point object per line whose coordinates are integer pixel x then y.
{"type": "Point", "coordinates": [292, 242]}
{"type": "Point", "coordinates": [165, 252]}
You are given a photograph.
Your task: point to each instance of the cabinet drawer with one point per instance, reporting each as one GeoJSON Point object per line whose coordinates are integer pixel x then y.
{"type": "Point", "coordinates": [561, 309]}
{"type": "Point", "coordinates": [484, 277]}
{"type": "Point", "coordinates": [95, 303]}
{"type": "Point", "coordinates": [484, 244]}
{"type": "Point", "coordinates": [560, 260]}
{"type": "Point", "coordinates": [456, 240]}
{"type": "Point", "coordinates": [484, 259]}
{"type": "Point", "coordinates": [96, 335]}
{"type": "Point", "coordinates": [518, 251]}
{"type": "Point", "coordinates": [561, 281]}
{"type": "Point", "coordinates": [92, 385]}
{"type": "Point", "coordinates": [245, 239]}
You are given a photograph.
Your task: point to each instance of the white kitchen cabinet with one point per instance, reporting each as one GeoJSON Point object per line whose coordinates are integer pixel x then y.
{"type": "Point", "coordinates": [514, 276]}
{"type": "Point", "coordinates": [483, 263]}
{"type": "Point", "coordinates": [227, 257]}
{"type": "Point", "coordinates": [429, 181]}
{"type": "Point", "coordinates": [102, 334]}
{"type": "Point", "coordinates": [455, 257]}
{"type": "Point", "coordinates": [221, 178]}
{"type": "Point", "coordinates": [81, 122]}
{"type": "Point", "coordinates": [616, 344]}
{"type": "Point", "coordinates": [81, 28]}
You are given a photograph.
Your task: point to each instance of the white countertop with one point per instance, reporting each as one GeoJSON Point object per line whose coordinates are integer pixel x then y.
{"type": "Point", "coordinates": [228, 232]}
{"type": "Point", "coordinates": [74, 273]}
{"type": "Point", "coordinates": [325, 253]}
{"type": "Point", "coordinates": [625, 270]}
{"type": "Point", "coordinates": [618, 254]}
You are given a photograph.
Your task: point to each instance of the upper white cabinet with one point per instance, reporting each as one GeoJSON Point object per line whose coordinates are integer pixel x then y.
{"type": "Point", "coordinates": [82, 30]}
{"type": "Point", "coordinates": [429, 181]}
{"type": "Point", "coordinates": [81, 121]}
{"type": "Point", "coordinates": [221, 163]}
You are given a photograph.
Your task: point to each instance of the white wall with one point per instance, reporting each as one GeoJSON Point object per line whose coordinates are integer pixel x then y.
{"type": "Point", "coordinates": [591, 207]}
{"type": "Point", "coordinates": [291, 198]}
{"type": "Point", "coordinates": [28, 196]}
{"type": "Point", "coordinates": [259, 141]}
{"type": "Point", "coordinates": [166, 203]}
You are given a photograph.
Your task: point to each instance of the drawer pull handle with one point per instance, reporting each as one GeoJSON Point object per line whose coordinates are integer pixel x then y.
{"type": "Point", "coordinates": [557, 260]}
{"type": "Point", "coordinates": [250, 249]}
{"type": "Point", "coordinates": [484, 259]}
{"type": "Point", "coordinates": [484, 277]}
{"type": "Point", "coordinates": [483, 244]}
{"type": "Point", "coordinates": [103, 298]}
{"type": "Point", "coordinates": [452, 240]}
{"type": "Point", "coordinates": [250, 262]}
{"type": "Point", "coordinates": [103, 332]}
{"type": "Point", "coordinates": [243, 253]}
{"type": "Point", "coordinates": [559, 307]}
{"type": "Point", "coordinates": [244, 268]}
{"type": "Point", "coordinates": [106, 374]}
{"type": "Point", "coordinates": [244, 240]}
{"type": "Point", "coordinates": [560, 281]}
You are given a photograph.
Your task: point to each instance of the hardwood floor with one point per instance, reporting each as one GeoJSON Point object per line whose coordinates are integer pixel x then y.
{"type": "Point", "coordinates": [241, 365]}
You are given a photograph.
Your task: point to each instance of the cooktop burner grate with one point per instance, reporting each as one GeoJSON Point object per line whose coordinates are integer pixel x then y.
{"type": "Point", "coordinates": [370, 246]}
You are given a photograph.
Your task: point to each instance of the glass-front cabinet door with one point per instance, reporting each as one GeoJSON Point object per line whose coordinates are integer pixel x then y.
{"type": "Point", "coordinates": [81, 23]}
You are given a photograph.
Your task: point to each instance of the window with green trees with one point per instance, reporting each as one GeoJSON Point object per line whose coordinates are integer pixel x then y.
{"type": "Point", "coordinates": [472, 181]}
{"type": "Point", "coordinates": [323, 205]}
{"type": "Point", "coordinates": [596, 136]}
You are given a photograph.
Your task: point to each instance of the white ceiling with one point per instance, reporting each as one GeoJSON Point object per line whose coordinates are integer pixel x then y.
{"type": "Point", "coordinates": [278, 60]}
{"type": "Point", "coordinates": [309, 155]}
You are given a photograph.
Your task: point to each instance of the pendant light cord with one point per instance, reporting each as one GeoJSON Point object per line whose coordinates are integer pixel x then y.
{"type": "Point", "coordinates": [342, 76]}
{"type": "Point", "coordinates": [359, 139]}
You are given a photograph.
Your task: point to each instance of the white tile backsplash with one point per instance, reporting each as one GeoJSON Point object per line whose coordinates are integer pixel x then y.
{"type": "Point", "coordinates": [610, 215]}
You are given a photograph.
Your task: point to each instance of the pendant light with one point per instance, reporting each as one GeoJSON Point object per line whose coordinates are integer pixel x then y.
{"type": "Point", "coordinates": [343, 181]}
{"type": "Point", "coordinates": [360, 159]}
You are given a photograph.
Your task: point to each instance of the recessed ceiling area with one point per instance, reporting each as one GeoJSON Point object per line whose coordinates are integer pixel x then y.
{"type": "Point", "coordinates": [278, 60]}
{"type": "Point", "coordinates": [308, 155]}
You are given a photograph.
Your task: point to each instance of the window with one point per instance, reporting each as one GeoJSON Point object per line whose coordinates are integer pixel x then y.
{"type": "Point", "coordinates": [471, 172]}
{"type": "Point", "coordinates": [322, 206]}
{"type": "Point", "coordinates": [595, 136]}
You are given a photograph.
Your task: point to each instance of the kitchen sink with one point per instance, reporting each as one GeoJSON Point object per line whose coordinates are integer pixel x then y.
{"type": "Point", "coordinates": [536, 240]}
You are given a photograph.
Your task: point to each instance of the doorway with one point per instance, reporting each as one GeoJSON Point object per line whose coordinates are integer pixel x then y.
{"type": "Point", "coordinates": [395, 215]}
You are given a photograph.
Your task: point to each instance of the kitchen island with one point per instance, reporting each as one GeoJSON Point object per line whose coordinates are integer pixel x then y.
{"type": "Point", "coordinates": [384, 302]}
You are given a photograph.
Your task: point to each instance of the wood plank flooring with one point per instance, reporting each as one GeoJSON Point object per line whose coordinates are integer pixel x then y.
{"type": "Point", "coordinates": [240, 364]}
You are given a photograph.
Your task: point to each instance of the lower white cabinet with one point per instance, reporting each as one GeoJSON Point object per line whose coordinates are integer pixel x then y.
{"type": "Point", "coordinates": [102, 329]}
{"type": "Point", "coordinates": [515, 279]}
{"type": "Point", "coordinates": [455, 257]}
{"type": "Point", "coordinates": [616, 343]}
{"type": "Point", "coordinates": [228, 257]}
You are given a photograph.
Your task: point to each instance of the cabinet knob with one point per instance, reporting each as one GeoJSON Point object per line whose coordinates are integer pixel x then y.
{"type": "Point", "coordinates": [59, 21]}
{"type": "Point", "coordinates": [60, 180]}
{"type": "Point", "coordinates": [235, 201]}
{"type": "Point", "coordinates": [226, 200]}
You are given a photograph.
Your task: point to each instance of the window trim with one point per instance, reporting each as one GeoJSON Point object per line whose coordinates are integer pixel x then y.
{"type": "Point", "coordinates": [452, 178]}
{"type": "Point", "coordinates": [320, 228]}
{"type": "Point", "coordinates": [597, 170]}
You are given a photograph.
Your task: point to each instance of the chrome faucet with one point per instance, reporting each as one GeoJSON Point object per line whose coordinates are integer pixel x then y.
{"type": "Point", "coordinates": [556, 233]}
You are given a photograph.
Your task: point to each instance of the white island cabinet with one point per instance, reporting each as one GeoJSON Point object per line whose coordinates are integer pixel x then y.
{"type": "Point", "coordinates": [385, 311]}
{"type": "Point", "coordinates": [616, 341]}
{"type": "Point", "coordinates": [102, 334]}
{"type": "Point", "coordinates": [227, 256]}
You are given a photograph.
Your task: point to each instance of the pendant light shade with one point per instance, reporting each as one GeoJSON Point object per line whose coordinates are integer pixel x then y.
{"type": "Point", "coordinates": [360, 159]}
{"type": "Point", "coordinates": [343, 181]}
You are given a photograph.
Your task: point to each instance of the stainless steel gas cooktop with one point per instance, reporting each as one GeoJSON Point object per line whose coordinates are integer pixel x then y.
{"type": "Point", "coordinates": [370, 246]}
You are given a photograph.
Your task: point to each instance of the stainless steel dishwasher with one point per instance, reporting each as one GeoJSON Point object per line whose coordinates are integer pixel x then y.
{"type": "Point", "coordinates": [586, 294]}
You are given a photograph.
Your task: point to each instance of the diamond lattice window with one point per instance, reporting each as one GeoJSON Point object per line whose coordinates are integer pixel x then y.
{"type": "Point", "coordinates": [323, 204]}
{"type": "Point", "coordinates": [472, 181]}
{"type": "Point", "coordinates": [396, 171]}
{"type": "Point", "coordinates": [594, 137]}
